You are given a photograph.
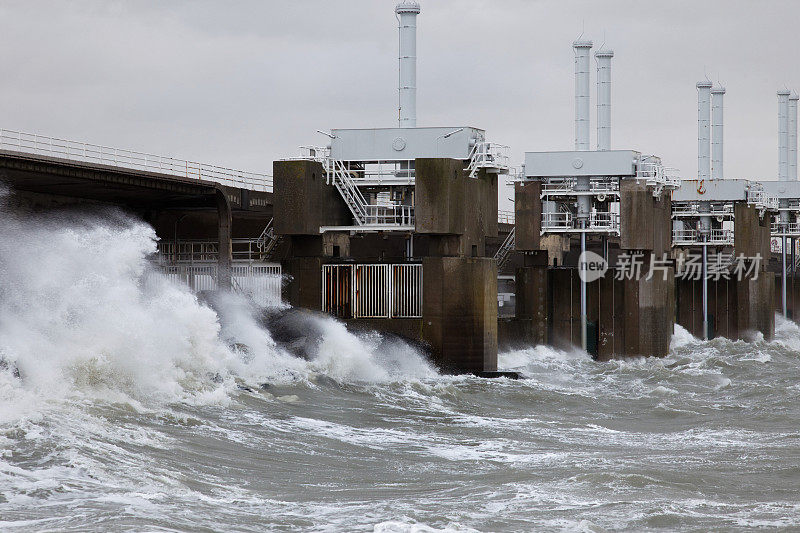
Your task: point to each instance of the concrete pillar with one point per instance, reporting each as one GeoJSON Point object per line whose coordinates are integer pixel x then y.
{"type": "Point", "coordinates": [459, 313]}
{"type": "Point", "coordinates": [225, 243]}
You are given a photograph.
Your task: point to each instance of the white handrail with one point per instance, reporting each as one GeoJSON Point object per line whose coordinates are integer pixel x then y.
{"type": "Point", "coordinates": [505, 217]}
{"type": "Point", "coordinates": [32, 143]}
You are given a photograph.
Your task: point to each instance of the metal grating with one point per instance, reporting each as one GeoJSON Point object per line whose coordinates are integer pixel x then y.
{"type": "Point", "coordinates": [372, 290]}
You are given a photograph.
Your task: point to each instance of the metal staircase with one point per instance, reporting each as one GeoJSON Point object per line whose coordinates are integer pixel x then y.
{"type": "Point", "coordinates": [491, 156]}
{"type": "Point", "coordinates": [504, 251]}
{"type": "Point", "coordinates": [268, 241]}
{"type": "Point", "coordinates": [340, 176]}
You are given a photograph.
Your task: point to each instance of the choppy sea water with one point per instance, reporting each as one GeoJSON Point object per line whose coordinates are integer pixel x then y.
{"type": "Point", "coordinates": [138, 407]}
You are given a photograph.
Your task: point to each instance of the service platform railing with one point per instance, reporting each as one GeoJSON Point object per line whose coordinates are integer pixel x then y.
{"type": "Point", "coordinates": [200, 251]}
{"type": "Point", "coordinates": [758, 198]}
{"type": "Point", "coordinates": [31, 143]}
{"type": "Point", "coordinates": [692, 237]}
{"type": "Point", "coordinates": [491, 156]}
{"type": "Point", "coordinates": [694, 209]}
{"type": "Point", "coordinates": [391, 214]}
{"type": "Point", "coordinates": [653, 173]}
{"type": "Point", "coordinates": [505, 217]}
{"type": "Point", "coordinates": [792, 229]}
{"type": "Point", "coordinates": [598, 222]}
{"type": "Point", "coordinates": [567, 187]}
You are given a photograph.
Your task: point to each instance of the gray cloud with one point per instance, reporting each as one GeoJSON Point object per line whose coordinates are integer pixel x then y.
{"type": "Point", "coordinates": [244, 83]}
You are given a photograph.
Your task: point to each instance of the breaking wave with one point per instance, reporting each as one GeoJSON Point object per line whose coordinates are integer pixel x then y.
{"type": "Point", "coordinates": [128, 403]}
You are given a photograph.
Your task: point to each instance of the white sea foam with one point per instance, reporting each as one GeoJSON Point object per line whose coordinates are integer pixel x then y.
{"type": "Point", "coordinates": [79, 315]}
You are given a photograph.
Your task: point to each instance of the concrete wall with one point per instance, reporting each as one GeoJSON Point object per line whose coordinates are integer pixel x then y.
{"type": "Point", "coordinates": [528, 215]}
{"type": "Point", "coordinates": [633, 317]}
{"type": "Point", "coordinates": [645, 221]}
{"type": "Point", "coordinates": [448, 202]}
{"type": "Point", "coordinates": [736, 309]}
{"type": "Point", "coordinates": [459, 316]}
{"type": "Point", "coordinates": [751, 232]}
{"type": "Point", "coordinates": [303, 201]}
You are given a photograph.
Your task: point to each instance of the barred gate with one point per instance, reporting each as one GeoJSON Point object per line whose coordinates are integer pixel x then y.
{"type": "Point", "coordinates": [372, 290]}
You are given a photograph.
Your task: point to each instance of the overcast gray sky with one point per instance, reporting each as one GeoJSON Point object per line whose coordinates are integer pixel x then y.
{"type": "Point", "coordinates": [243, 83]}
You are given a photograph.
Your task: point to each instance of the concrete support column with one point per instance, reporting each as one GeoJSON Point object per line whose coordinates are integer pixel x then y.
{"type": "Point", "coordinates": [224, 242]}
{"type": "Point", "coordinates": [459, 313]}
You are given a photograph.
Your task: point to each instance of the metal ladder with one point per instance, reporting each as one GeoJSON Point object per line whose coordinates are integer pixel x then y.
{"type": "Point", "coordinates": [344, 183]}
{"type": "Point", "coordinates": [268, 241]}
{"type": "Point", "coordinates": [504, 251]}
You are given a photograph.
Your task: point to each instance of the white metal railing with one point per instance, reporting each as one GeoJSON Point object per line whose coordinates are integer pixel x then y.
{"type": "Point", "coordinates": [505, 217]}
{"type": "Point", "coordinates": [388, 214]}
{"type": "Point", "coordinates": [684, 236]}
{"type": "Point", "coordinates": [398, 172]}
{"type": "Point", "coordinates": [267, 241]}
{"type": "Point", "coordinates": [488, 155]}
{"type": "Point", "coordinates": [372, 290]}
{"type": "Point", "coordinates": [604, 220]}
{"type": "Point", "coordinates": [504, 251]}
{"type": "Point", "coordinates": [314, 153]}
{"type": "Point", "coordinates": [200, 251]}
{"type": "Point", "coordinates": [32, 143]}
{"type": "Point", "coordinates": [556, 221]}
{"type": "Point", "coordinates": [757, 197]}
{"type": "Point", "coordinates": [657, 175]}
{"type": "Point", "coordinates": [392, 214]}
{"type": "Point", "coordinates": [792, 228]}
{"type": "Point", "coordinates": [567, 186]}
{"type": "Point", "coordinates": [599, 221]}
{"type": "Point", "coordinates": [691, 236]}
{"type": "Point", "coordinates": [261, 283]}
{"type": "Point", "coordinates": [339, 176]}
{"type": "Point", "coordinates": [694, 209]}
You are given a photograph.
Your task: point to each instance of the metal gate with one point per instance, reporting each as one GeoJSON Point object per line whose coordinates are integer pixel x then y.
{"type": "Point", "coordinates": [372, 290]}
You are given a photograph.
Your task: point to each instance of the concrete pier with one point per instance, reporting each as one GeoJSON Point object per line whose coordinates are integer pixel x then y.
{"type": "Point", "coordinates": [625, 317]}
{"type": "Point", "coordinates": [454, 216]}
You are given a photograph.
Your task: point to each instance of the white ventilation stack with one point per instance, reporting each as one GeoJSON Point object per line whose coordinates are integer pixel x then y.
{"type": "Point", "coordinates": [793, 136]}
{"type": "Point", "coordinates": [582, 112]}
{"type": "Point", "coordinates": [703, 130]}
{"type": "Point", "coordinates": [583, 183]}
{"type": "Point", "coordinates": [783, 135]}
{"type": "Point", "coordinates": [603, 58]}
{"type": "Point", "coordinates": [582, 90]}
{"type": "Point", "coordinates": [407, 20]}
{"type": "Point", "coordinates": [717, 95]}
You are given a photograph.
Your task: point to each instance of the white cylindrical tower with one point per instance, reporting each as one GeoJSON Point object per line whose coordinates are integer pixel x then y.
{"type": "Point", "coordinates": [717, 95]}
{"type": "Point", "coordinates": [582, 89]}
{"type": "Point", "coordinates": [783, 135]}
{"type": "Point", "coordinates": [793, 136]}
{"type": "Point", "coordinates": [603, 58]}
{"type": "Point", "coordinates": [703, 130]}
{"type": "Point", "coordinates": [407, 19]}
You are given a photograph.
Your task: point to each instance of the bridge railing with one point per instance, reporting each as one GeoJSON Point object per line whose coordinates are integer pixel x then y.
{"type": "Point", "coordinates": [32, 143]}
